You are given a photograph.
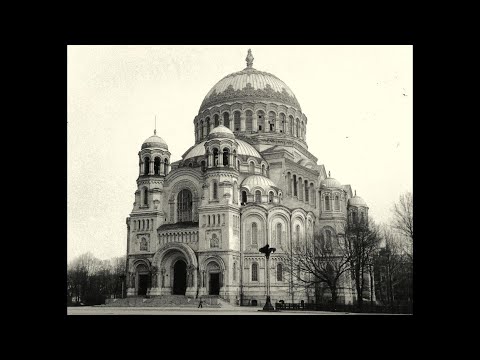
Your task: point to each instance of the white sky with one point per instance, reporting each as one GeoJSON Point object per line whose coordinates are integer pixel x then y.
{"type": "Point", "coordinates": [358, 101]}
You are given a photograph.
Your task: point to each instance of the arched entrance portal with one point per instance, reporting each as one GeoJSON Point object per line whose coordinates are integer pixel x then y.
{"type": "Point", "coordinates": [143, 279]}
{"type": "Point", "coordinates": [179, 277]}
{"type": "Point", "coordinates": [214, 285]}
{"type": "Point", "coordinates": [214, 278]}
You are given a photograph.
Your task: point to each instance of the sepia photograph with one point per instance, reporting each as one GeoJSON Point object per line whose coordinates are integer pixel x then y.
{"type": "Point", "coordinates": [239, 180]}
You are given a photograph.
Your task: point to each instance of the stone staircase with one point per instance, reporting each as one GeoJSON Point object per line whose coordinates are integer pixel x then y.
{"type": "Point", "coordinates": [210, 301]}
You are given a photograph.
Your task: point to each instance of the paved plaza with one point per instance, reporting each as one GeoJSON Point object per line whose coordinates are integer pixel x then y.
{"type": "Point", "coordinates": [104, 310]}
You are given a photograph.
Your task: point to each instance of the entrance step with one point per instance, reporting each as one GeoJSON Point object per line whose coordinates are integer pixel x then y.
{"type": "Point", "coordinates": [164, 301]}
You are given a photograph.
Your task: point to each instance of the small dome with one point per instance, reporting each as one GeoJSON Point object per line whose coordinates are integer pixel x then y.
{"type": "Point", "coordinates": [221, 132]}
{"type": "Point", "coordinates": [356, 201]}
{"type": "Point", "coordinates": [254, 181]}
{"type": "Point", "coordinates": [155, 141]}
{"type": "Point", "coordinates": [330, 183]}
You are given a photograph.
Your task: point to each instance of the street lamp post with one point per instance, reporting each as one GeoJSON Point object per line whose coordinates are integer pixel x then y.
{"type": "Point", "coordinates": [122, 279]}
{"type": "Point", "coordinates": [267, 250]}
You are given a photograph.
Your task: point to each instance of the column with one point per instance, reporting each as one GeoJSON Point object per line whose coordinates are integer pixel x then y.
{"type": "Point", "coordinates": [150, 171]}
{"type": "Point", "coordinates": [230, 160]}
{"type": "Point", "coordinates": [254, 123]}
{"type": "Point", "coordinates": [231, 125]}
{"type": "Point", "coordinates": [242, 121]}
{"type": "Point", "coordinates": [140, 167]}
{"type": "Point", "coordinates": [210, 160]}
{"type": "Point", "coordinates": [277, 123]}
{"type": "Point", "coordinates": [162, 168]}
{"type": "Point", "coordinates": [220, 157]}
{"type": "Point", "coordinates": [266, 123]}
{"type": "Point", "coordinates": [205, 130]}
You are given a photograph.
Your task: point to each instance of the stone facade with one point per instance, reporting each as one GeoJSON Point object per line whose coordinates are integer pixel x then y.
{"type": "Point", "coordinates": [197, 224]}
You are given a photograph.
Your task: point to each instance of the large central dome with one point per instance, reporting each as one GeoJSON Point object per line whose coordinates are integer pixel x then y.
{"type": "Point", "coordinates": [248, 85]}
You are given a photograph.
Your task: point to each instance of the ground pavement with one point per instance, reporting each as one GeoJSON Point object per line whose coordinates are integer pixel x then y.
{"type": "Point", "coordinates": [234, 310]}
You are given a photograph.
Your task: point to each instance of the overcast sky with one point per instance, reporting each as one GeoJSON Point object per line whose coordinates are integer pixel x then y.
{"type": "Point", "coordinates": [358, 101]}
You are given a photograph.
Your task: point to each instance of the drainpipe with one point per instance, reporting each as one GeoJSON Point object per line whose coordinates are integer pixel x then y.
{"type": "Point", "coordinates": [126, 259]}
{"type": "Point", "coordinates": [241, 261]}
{"type": "Point", "coordinates": [291, 258]}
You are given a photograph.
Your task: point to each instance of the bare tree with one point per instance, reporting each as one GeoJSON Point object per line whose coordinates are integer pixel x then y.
{"type": "Point", "coordinates": [362, 240]}
{"type": "Point", "coordinates": [317, 263]}
{"type": "Point", "coordinates": [395, 265]}
{"type": "Point", "coordinates": [403, 215]}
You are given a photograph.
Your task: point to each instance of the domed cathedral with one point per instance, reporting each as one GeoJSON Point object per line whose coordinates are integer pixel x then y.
{"type": "Point", "coordinates": [197, 224]}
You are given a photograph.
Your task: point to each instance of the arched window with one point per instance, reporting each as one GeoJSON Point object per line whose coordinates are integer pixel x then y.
{"type": "Point", "coordinates": [213, 220]}
{"type": "Point", "coordinates": [207, 120]}
{"type": "Point", "coordinates": [271, 120]}
{"type": "Point", "coordinates": [295, 185]}
{"type": "Point", "coordinates": [279, 198]}
{"type": "Point", "coordinates": [254, 272]}
{"type": "Point", "coordinates": [258, 196]}
{"type": "Point", "coordinates": [143, 224]}
{"type": "Point", "coordinates": [297, 234]}
{"type": "Point", "coordinates": [215, 157]}
{"type": "Point", "coordinates": [292, 125]}
{"type": "Point", "coordinates": [236, 120]}
{"type": "Point", "coordinates": [184, 206]}
{"type": "Point", "coordinates": [234, 271]}
{"type": "Point", "coordinates": [145, 196]}
{"type": "Point", "coordinates": [143, 245]}
{"type": "Point", "coordinates": [208, 216]}
{"type": "Point", "coordinates": [337, 202]}
{"type": "Point", "coordinates": [270, 197]}
{"type": "Point", "coordinates": [306, 190]}
{"type": "Point", "coordinates": [218, 219]}
{"type": "Point", "coordinates": [203, 165]}
{"type": "Point", "coordinates": [354, 217]}
{"type": "Point", "coordinates": [279, 272]}
{"type": "Point", "coordinates": [226, 120]}
{"type": "Point", "coordinates": [148, 224]}
{"type": "Point", "coordinates": [279, 234]}
{"type": "Point", "coordinates": [215, 190]}
{"type": "Point", "coordinates": [226, 154]}
{"type": "Point", "coordinates": [165, 166]}
{"type": "Point", "coordinates": [263, 170]}
{"type": "Point", "coordinates": [201, 130]}
{"type": "Point", "coordinates": [297, 128]}
{"type": "Point", "coordinates": [216, 120]}
{"type": "Point", "coordinates": [328, 239]}
{"type": "Point", "coordinates": [190, 165]}
{"type": "Point", "coordinates": [289, 183]}
{"type": "Point", "coordinates": [260, 120]}
{"type": "Point", "coordinates": [146, 166]}
{"type": "Point", "coordinates": [156, 166]}
{"type": "Point", "coordinates": [327, 202]}
{"type": "Point", "coordinates": [282, 123]}
{"type": "Point", "coordinates": [244, 197]}
{"type": "Point", "coordinates": [248, 120]}
{"type": "Point", "coordinates": [251, 167]}
{"type": "Point", "coordinates": [361, 217]}
{"type": "Point", "coordinates": [254, 233]}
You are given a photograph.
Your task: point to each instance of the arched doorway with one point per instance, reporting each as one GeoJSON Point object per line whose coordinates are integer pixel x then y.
{"type": "Point", "coordinates": [143, 279]}
{"type": "Point", "coordinates": [179, 278]}
{"type": "Point", "coordinates": [214, 280]}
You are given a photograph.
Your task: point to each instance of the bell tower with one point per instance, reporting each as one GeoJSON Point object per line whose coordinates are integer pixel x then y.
{"type": "Point", "coordinates": [147, 214]}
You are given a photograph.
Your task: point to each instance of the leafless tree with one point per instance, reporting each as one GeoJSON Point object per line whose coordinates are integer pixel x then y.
{"type": "Point", "coordinates": [316, 263]}
{"type": "Point", "coordinates": [396, 261]}
{"type": "Point", "coordinates": [362, 241]}
{"type": "Point", "coordinates": [403, 215]}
